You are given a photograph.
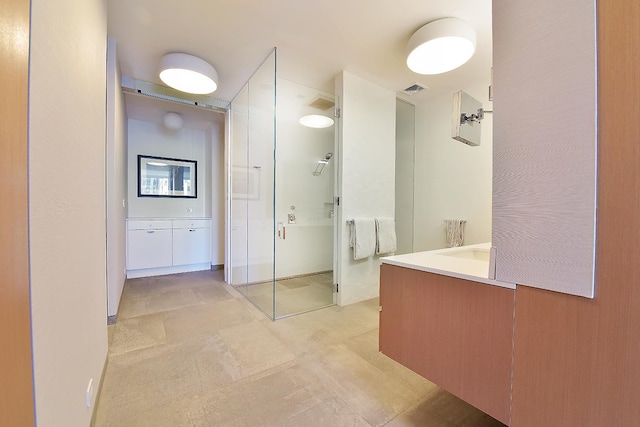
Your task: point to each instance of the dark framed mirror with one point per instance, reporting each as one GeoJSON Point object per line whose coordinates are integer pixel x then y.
{"type": "Point", "coordinates": [167, 177]}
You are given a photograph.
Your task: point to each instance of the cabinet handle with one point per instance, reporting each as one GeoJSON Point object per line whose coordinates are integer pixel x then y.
{"type": "Point", "coordinates": [151, 231]}
{"type": "Point", "coordinates": [191, 229]}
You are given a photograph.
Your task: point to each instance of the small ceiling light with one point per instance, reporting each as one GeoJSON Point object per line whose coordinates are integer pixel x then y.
{"type": "Point", "coordinates": [173, 121]}
{"type": "Point", "coordinates": [188, 73]}
{"type": "Point", "coordinates": [441, 46]}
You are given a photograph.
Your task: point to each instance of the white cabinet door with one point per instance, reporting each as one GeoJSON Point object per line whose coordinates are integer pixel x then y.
{"type": "Point", "coordinates": [149, 249]}
{"type": "Point", "coordinates": [191, 246]}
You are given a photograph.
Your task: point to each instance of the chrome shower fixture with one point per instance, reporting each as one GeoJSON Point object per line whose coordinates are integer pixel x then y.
{"type": "Point", "coordinates": [321, 164]}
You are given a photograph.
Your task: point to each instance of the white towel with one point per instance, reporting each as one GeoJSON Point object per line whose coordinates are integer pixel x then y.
{"type": "Point", "coordinates": [385, 235]}
{"type": "Point", "coordinates": [363, 237]}
{"type": "Point", "coordinates": [454, 232]}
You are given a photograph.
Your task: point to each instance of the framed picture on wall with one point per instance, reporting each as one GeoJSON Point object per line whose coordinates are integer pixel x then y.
{"type": "Point", "coordinates": [166, 177]}
{"type": "Point", "coordinates": [245, 182]}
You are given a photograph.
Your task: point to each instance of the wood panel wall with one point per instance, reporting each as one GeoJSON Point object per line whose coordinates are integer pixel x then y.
{"type": "Point", "coordinates": [16, 383]}
{"type": "Point", "coordinates": [576, 360]}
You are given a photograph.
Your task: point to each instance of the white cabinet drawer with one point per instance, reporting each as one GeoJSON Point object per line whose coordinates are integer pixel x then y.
{"type": "Point", "coordinates": [191, 246]}
{"type": "Point", "coordinates": [152, 224]}
{"type": "Point", "coordinates": [191, 223]}
{"type": "Point", "coordinates": [149, 249]}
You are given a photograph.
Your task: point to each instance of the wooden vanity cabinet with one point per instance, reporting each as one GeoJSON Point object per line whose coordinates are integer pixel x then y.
{"type": "Point", "coordinates": [455, 333]}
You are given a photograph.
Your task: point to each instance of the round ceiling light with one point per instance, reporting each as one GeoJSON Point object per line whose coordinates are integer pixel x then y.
{"type": "Point", "coordinates": [441, 46]}
{"type": "Point", "coordinates": [316, 121]}
{"type": "Point", "coordinates": [173, 121]}
{"type": "Point", "coordinates": [188, 73]}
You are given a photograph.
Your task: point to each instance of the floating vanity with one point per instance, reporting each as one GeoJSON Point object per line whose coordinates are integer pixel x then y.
{"type": "Point", "coordinates": [466, 262]}
{"type": "Point", "coordinates": [442, 317]}
{"type": "Point", "coordinates": [166, 246]}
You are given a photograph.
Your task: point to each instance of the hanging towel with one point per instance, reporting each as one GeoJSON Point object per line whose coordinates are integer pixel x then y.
{"type": "Point", "coordinates": [385, 235]}
{"type": "Point", "coordinates": [363, 237]}
{"type": "Point", "coordinates": [454, 229]}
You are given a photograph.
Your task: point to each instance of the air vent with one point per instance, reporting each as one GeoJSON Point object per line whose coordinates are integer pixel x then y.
{"type": "Point", "coordinates": [322, 103]}
{"type": "Point", "coordinates": [413, 89]}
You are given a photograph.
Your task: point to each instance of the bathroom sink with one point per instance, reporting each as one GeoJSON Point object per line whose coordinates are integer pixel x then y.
{"type": "Point", "coordinates": [469, 253]}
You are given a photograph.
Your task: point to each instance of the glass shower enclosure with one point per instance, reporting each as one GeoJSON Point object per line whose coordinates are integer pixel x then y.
{"type": "Point", "coordinates": [281, 188]}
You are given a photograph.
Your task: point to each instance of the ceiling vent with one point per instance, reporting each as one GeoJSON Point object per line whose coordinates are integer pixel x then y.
{"type": "Point", "coordinates": [413, 89]}
{"type": "Point", "coordinates": [321, 103]}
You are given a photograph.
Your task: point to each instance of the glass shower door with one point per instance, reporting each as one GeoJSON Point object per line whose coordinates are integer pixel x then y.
{"type": "Point", "coordinates": [304, 204]}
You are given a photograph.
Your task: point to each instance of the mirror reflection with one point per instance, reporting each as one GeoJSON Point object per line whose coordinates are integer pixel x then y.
{"type": "Point", "coordinates": [166, 177]}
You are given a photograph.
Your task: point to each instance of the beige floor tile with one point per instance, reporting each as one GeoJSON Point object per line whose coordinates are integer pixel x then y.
{"type": "Point", "coordinates": [142, 383]}
{"type": "Point", "coordinates": [212, 292]}
{"type": "Point", "coordinates": [137, 333]}
{"type": "Point", "coordinates": [287, 396]}
{"type": "Point", "coordinates": [204, 319]}
{"type": "Point", "coordinates": [366, 346]}
{"type": "Point", "coordinates": [311, 332]}
{"type": "Point", "coordinates": [189, 350]}
{"type": "Point", "coordinates": [441, 409]}
{"type": "Point", "coordinates": [255, 347]}
{"type": "Point", "coordinates": [375, 395]}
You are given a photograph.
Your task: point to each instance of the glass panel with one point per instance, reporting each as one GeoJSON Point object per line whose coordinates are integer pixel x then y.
{"type": "Point", "coordinates": [252, 187]}
{"type": "Point", "coordinates": [239, 204]}
{"type": "Point", "coordinates": [405, 148]}
{"type": "Point", "coordinates": [305, 159]}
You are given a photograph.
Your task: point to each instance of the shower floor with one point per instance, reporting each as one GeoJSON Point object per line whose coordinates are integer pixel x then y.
{"type": "Point", "coordinates": [293, 295]}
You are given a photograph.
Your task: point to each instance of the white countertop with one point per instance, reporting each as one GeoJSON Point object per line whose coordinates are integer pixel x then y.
{"type": "Point", "coordinates": [447, 263]}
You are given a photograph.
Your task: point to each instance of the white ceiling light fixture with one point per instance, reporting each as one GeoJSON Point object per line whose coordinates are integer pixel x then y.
{"type": "Point", "coordinates": [317, 114]}
{"type": "Point", "coordinates": [441, 46]}
{"type": "Point", "coordinates": [188, 73]}
{"type": "Point", "coordinates": [173, 121]}
{"type": "Point", "coordinates": [317, 121]}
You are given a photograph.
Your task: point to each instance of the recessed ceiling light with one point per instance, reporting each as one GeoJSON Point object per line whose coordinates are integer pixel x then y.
{"type": "Point", "coordinates": [188, 73]}
{"type": "Point", "coordinates": [441, 46]}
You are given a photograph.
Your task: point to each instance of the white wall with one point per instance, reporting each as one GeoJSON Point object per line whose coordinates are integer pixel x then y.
{"type": "Point", "coordinates": [215, 138]}
{"type": "Point", "coordinates": [155, 140]}
{"type": "Point", "coordinates": [116, 182]}
{"type": "Point", "coordinates": [67, 206]}
{"type": "Point", "coordinates": [367, 175]}
{"type": "Point", "coordinates": [452, 179]}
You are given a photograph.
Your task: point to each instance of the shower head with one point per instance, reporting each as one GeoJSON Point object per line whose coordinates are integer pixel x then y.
{"type": "Point", "coordinates": [322, 163]}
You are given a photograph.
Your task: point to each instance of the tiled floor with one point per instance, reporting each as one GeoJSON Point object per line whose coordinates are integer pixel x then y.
{"type": "Point", "coordinates": [189, 350]}
{"type": "Point", "coordinates": [293, 295]}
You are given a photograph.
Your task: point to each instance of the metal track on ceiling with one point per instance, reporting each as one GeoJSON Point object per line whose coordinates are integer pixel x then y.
{"type": "Point", "coordinates": [154, 90]}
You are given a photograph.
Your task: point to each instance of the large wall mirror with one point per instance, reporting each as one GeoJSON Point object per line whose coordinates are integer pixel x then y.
{"type": "Point", "coordinates": [165, 177]}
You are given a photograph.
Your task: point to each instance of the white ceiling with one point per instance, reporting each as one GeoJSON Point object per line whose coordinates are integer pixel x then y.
{"type": "Point", "coordinates": [315, 40]}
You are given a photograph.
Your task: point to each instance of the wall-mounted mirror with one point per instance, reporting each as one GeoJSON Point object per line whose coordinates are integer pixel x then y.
{"type": "Point", "coordinates": [165, 177]}
{"type": "Point", "coordinates": [467, 115]}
